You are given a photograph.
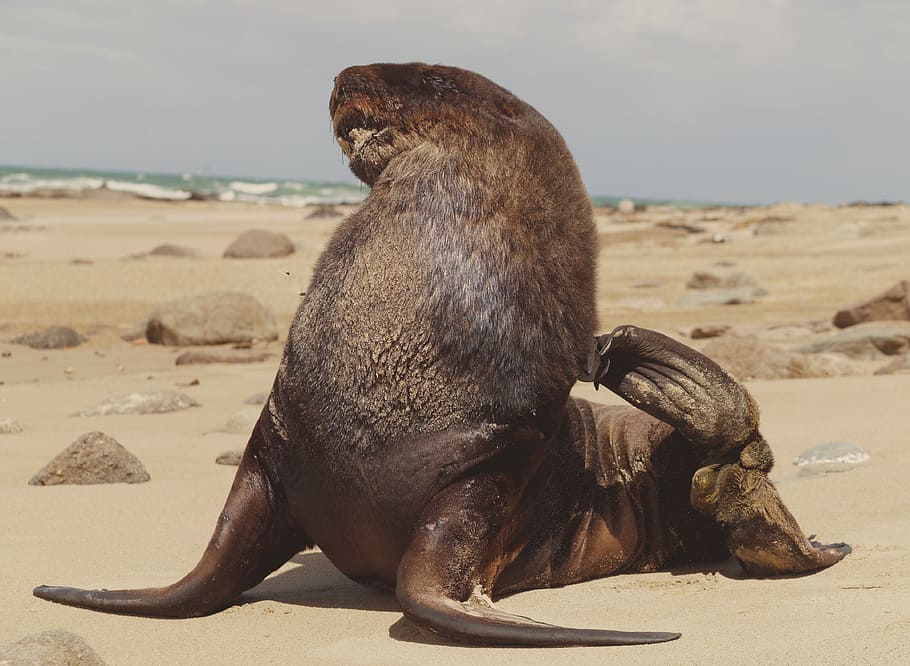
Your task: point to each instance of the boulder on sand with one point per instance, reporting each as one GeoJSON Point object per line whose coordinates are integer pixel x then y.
{"type": "Point", "coordinates": [211, 318]}
{"type": "Point", "coordinates": [892, 304]}
{"type": "Point", "coordinates": [259, 243]}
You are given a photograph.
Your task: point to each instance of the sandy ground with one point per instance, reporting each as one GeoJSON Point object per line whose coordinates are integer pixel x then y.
{"type": "Point", "coordinates": [812, 262]}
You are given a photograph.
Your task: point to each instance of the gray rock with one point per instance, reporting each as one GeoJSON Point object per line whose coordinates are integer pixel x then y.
{"type": "Point", "coordinates": [709, 331]}
{"type": "Point", "coordinates": [259, 243]}
{"type": "Point", "coordinates": [731, 296]}
{"type": "Point", "coordinates": [871, 341]}
{"type": "Point", "coordinates": [154, 402]}
{"type": "Point", "coordinates": [230, 457]}
{"type": "Point", "coordinates": [136, 331]}
{"type": "Point", "coordinates": [257, 398]}
{"type": "Point", "coordinates": [171, 250]}
{"type": "Point", "coordinates": [211, 318]}
{"type": "Point", "coordinates": [56, 337]}
{"type": "Point", "coordinates": [323, 211]}
{"type": "Point", "coordinates": [93, 458]}
{"type": "Point", "coordinates": [6, 216]}
{"type": "Point", "coordinates": [50, 648]}
{"type": "Point", "coordinates": [720, 280]}
{"type": "Point", "coordinates": [746, 357]}
{"type": "Point", "coordinates": [9, 426]}
{"type": "Point", "coordinates": [194, 357]}
{"type": "Point", "coordinates": [241, 422]}
{"type": "Point", "coordinates": [899, 366]}
{"type": "Point", "coordinates": [831, 457]}
{"type": "Point", "coordinates": [894, 304]}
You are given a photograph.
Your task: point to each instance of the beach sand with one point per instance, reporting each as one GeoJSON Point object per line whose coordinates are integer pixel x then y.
{"type": "Point", "coordinates": [811, 260]}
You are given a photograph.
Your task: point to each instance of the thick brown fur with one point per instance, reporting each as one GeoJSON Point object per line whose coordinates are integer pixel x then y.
{"type": "Point", "coordinates": [420, 429]}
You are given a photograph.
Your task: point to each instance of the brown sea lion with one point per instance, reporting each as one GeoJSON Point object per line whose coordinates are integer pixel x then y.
{"type": "Point", "coordinates": [420, 429]}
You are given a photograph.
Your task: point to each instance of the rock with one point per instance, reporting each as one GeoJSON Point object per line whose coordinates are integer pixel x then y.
{"type": "Point", "coordinates": [230, 457]}
{"type": "Point", "coordinates": [257, 398]}
{"type": "Point", "coordinates": [259, 243]}
{"type": "Point", "coordinates": [892, 304]}
{"type": "Point", "coordinates": [155, 402]}
{"type": "Point", "coordinates": [211, 318]}
{"type": "Point", "coordinates": [899, 366]}
{"type": "Point", "coordinates": [171, 250]}
{"type": "Point", "coordinates": [322, 211]}
{"type": "Point", "coordinates": [720, 280]}
{"type": "Point", "coordinates": [241, 422]}
{"type": "Point", "coordinates": [831, 457]}
{"type": "Point", "coordinates": [50, 648]}
{"type": "Point", "coordinates": [56, 337]}
{"type": "Point", "coordinates": [194, 357]}
{"type": "Point", "coordinates": [135, 331]}
{"type": "Point", "coordinates": [93, 458]}
{"type": "Point", "coordinates": [9, 426]}
{"type": "Point", "coordinates": [709, 331]}
{"type": "Point", "coordinates": [746, 357]}
{"type": "Point", "coordinates": [6, 216]}
{"type": "Point", "coordinates": [732, 296]}
{"type": "Point", "coordinates": [865, 341]}
{"type": "Point", "coordinates": [773, 225]}
{"type": "Point", "coordinates": [626, 206]}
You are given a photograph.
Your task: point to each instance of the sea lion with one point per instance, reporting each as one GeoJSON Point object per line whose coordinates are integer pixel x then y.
{"type": "Point", "coordinates": [420, 429]}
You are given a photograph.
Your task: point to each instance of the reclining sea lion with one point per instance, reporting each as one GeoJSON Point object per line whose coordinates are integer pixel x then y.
{"type": "Point", "coordinates": [420, 429]}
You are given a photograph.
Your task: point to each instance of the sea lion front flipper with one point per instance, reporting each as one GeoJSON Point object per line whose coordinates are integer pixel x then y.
{"type": "Point", "coordinates": [760, 532]}
{"type": "Point", "coordinates": [448, 572]}
{"type": "Point", "coordinates": [676, 384]}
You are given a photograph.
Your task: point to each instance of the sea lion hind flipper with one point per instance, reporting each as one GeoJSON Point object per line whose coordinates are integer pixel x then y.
{"type": "Point", "coordinates": [759, 530]}
{"type": "Point", "coordinates": [448, 570]}
{"type": "Point", "coordinates": [676, 384]}
{"type": "Point", "coordinates": [251, 540]}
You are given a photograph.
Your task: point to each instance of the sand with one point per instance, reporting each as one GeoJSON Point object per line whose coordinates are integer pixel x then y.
{"type": "Point", "coordinates": [813, 262]}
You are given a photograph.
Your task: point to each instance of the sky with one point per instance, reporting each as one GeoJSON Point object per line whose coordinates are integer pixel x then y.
{"type": "Point", "coordinates": [710, 100]}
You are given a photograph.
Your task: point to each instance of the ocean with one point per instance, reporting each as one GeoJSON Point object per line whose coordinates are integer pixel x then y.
{"type": "Point", "coordinates": [17, 180]}
{"type": "Point", "coordinates": [175, 187]}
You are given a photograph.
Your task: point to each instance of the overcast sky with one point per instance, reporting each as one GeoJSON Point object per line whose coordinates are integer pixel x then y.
{"type": "Point", "coordinates": [723, 100]}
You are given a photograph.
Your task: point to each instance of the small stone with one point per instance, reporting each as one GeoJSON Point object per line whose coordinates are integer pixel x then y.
{"type": "Point", "coordinates": [626, 206]}
{"type": "Point", "coordinates": [720, 280]}
{"type": "Point", "coordinates": [323, 211]}
{"type": "Point", "coordinates": [732, 296]}
{"type": "Point", "coordinates": [241, 422]}
{"type": "Point", "coordinates": [831, 457]}
{"type": "Point", "coordinates": [870, 340]}
{"type": "Point", "coordinates": [50, 648]}
{"type": "Point", "coordinates": [193, 357]}
{"type": "Point", "coordinates": [135, 331]}
{"type": "Point", "coordinates": [230, 457]}
{"type": "Point", "coordinates": [258, 243]}
{"type": "Point", "coordinates": [171, 250]}
{"type": "Point", "coordinates": [890, 305]}
{"type": "Point", "coordinates": [154, 402]}
{"type": "Point", "coordinates": [56, 337]}
{"type": "Point", "coordinates": [899, 366]}
{"type": "Point", "coordinates": [709, 331]}
{"type": "Point", "coordinates": [93, 458]}
{"type": "Point", "coordinates": [9, 426]}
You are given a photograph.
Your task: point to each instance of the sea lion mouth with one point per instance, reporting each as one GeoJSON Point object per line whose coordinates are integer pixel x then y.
{"type": "Point", "coordinates": [355, 130]}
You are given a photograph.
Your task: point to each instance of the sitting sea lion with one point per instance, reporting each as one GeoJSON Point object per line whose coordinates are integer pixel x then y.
{"type": "Point", "coordinates": [420, 429]}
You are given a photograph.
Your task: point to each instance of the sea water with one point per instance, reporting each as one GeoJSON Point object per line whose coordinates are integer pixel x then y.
{"type": "Point", "coordinates": [175, 187]}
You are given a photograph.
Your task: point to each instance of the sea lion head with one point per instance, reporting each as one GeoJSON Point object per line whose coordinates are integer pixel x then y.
{"type": "Point", "coordinates": [382, 111]}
